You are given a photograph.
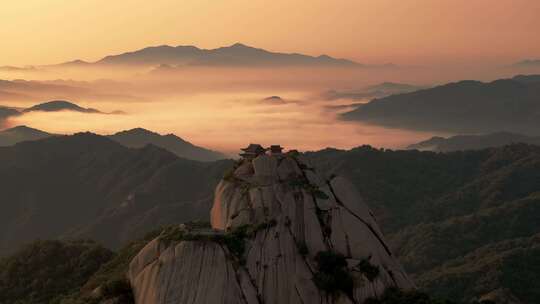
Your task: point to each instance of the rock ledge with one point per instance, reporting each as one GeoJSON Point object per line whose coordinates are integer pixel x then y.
{"type": "Point", "coordinates": [280, 233]}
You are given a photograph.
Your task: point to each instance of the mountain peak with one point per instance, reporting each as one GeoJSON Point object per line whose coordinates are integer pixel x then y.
{"type": "Point", "coordinates": [139, 131]}
{"type": "Point", "coordinates": [318, 228]}
{"type": "Point", "coordinates": [479, 107]}
{"type": "Point", "coordinates": [139, 137]}
{"type": "Point", "coordinates": [237, 54]}
{"type": "Point", "coordinates": [76, 62]}
{"type": "Point", "coordinates": [59, 105]}
{"type": "Point", "coordinates": [155, 48]}
{"type": "Point", "coordinates": [18, 134]}
{"type": "Point", "coordinates": [23, 128]}
{"type": "Point", "coordinates": [528, 63]}
{"type": "Point", "coordinates": [324, 56]}
{"type": "Point", "coordinates": [240, 45]}
{"type": "Point", "coordinates": [473, 142]}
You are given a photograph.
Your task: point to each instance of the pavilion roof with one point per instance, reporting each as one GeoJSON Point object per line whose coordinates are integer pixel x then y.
{"type": "Point", "coordinates": [254, 148]}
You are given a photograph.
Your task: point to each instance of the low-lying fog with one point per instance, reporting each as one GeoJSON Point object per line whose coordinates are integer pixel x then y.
{"type": "Point", "coordinates": [216, 109]}
{"type": "Point", "coordinates": [227, 121]}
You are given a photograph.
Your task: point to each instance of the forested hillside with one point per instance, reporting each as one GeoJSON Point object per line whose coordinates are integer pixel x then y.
{"type": "Point", "coordinates": [451, 218]}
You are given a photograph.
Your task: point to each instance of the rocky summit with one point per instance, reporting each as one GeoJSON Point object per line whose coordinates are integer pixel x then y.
{"type": "Point", "coordinates": [280, 233]}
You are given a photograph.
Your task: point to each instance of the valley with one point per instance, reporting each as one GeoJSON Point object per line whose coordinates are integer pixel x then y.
{"type": "Point", "coordinates": [464, 204]}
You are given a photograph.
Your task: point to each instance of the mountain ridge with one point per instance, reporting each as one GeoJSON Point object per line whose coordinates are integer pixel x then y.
{"type": "Point", "coordinates": [48, 106]}
{"type": "Point", "coordinates": [237, 54]}
{"type": "Point", "coordinates": [18, 134]}
{"type": "Point", "coordinates": [528, 63]}
{"type": "Point", "coordinates": [133, 138]}
{"type": "Point", "coordinates": [473, 142]}
{"type": "Point", "coordinates": [466, 106]}
{"type": "Point", "coordinates": [379, 90]}
{"type": "Point", "coordinates": [483, 199]}
{"type": "Point", "coordinates": [292, 226]}
{"type": "Point", "coordinates": [60, 105]}
{"type": "Point", "coordinates": [113, 185]}
{"type": "Point", "coordinates": [138, 137]}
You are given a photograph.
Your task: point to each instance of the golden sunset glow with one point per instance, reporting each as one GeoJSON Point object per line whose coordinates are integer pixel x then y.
{"type": "Point", "coordinates": [258, 151]}
{"type": "Point", "coordinates": [227, 121]}
{"type": "Point", "coordinates": [415, 32]}
{"type": "Point", "coordinates": [429, 42]}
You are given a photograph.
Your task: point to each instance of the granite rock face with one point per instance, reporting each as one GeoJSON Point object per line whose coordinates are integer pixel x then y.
{"type": "Point", "coordinates": [281, 233]}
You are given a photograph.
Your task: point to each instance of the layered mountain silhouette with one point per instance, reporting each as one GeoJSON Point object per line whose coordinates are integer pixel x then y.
{"type": "Point", "coordinates": [50, 106]}
{"type": "Point", "coordinates": [59, 105]}
{"type": "Point", "coordinates": [279, 234]}
{"type": "Point", "coordinates": [5, 113]}
{"type": "Point", "coordinates": [138, 137]}
{"type": "Point", "coordinates": [134, 138]}
{"type": "Point", "coordinates": [462, 107]}
{"type": "Point", "coordinates": [274, 99]}
{"type": "Point", "coordinates": [29, 87]}
{"type": "Point", "coordinates": [235, 55]}
{"type": "Point", "coordinates": [89, 186]}
{"type": "Point", "coordinates": [464, 224]}
{"type": "Point", "coordinates": [18, 134]}
{"type": "Point", "coordinates": [529, 79]}
{"type": "Point", "coordinates": [473, 142]}
{"type": "Point", "coordinates": [31, 90]}
{"type": "Point", "coordinates": [529, 63]}
{"type": "Point", "coordinates": [374, 91]}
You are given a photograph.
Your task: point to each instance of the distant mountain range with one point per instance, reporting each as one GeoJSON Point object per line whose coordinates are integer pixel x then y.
{"type": "Point", "coordinates": [18, 134]}
{"type": "Point", "coordinates": [235, 55]}
{"type": "Point", "coordinates": [32, 90]}
{"type": "Point", "coordinates": [59, 105]}
{"type": "Point", "coordinates": [5, 113]}
{"type": "Point", "coordinates": [375, 91]}
{"type": "Point", "coordinates": [274, 100]}
{"type": "Point", "coordinates": [138, 138]}
{"type": "Point", "coordinates": [134, 138]}
{"type": "Point", "coordinates": [529, 63]}
{"type": "Point", "coordinates": [30, 87]}
{"type": "Point", "coordinates": [9, 68]}
{"type": "Point", "coordinates": [87, 184]}
{"type": "Point", "coordinates": [464, 224]}
{"type": "Point", "coordinates": [50, 106]}
{"type": "Point", "coordinates": [473, 142]}
{"type": "Point", "coordinates": [462, 107]}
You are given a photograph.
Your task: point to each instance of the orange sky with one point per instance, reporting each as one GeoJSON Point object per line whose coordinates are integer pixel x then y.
{"type": "Point", "coordinates": [406, 32]}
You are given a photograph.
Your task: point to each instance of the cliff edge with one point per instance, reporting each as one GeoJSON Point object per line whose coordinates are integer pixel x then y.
{"type": "Point", "coordinates": [280, 233]}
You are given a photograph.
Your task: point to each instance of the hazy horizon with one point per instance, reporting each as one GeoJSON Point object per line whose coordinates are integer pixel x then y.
{"type": "Point", "coordinates": [222, 108]}
{"type": "Point", "coordinates": [411, 33]}
{"type": "Point", "coordinates": [407, 171]}
{"type": "Point", "coordinates": [227, 121]}
{"type": "Point", "coordinates": [217, 101]}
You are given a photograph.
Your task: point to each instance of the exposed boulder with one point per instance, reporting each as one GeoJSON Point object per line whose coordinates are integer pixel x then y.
{"type": "Point", "coordinates": [280, 233]}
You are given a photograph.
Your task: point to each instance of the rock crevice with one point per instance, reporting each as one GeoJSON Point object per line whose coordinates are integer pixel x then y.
{"type": "Point", "coordinates": [280, 233]}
